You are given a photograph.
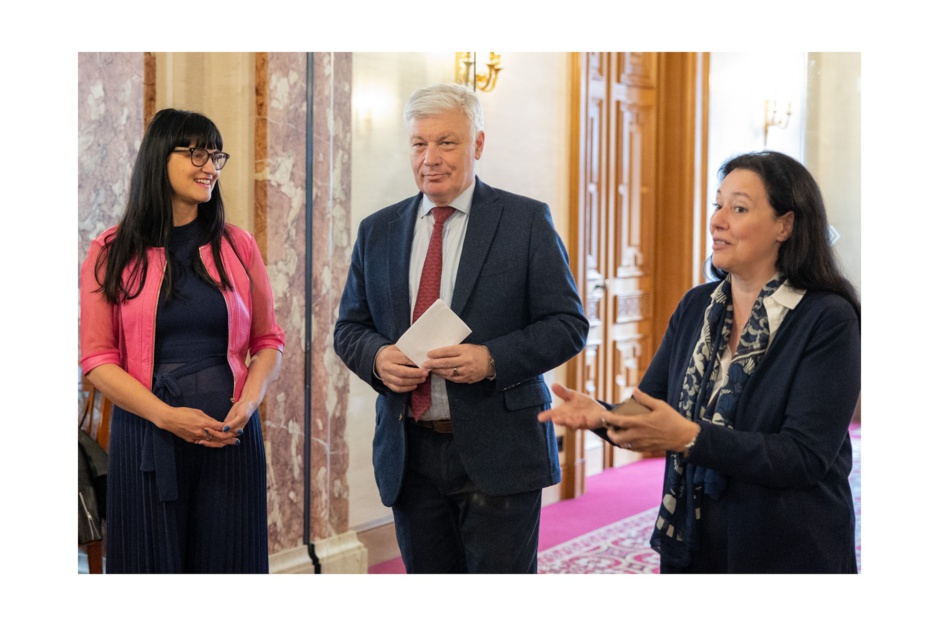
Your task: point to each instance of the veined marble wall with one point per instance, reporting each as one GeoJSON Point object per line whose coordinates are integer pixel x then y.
{"type": "Point", "coordinates": [332, 249]}
{"type": "Point", "coordinates": [110, 127]}
{"type": "Point", "coordinates": [279, 226]}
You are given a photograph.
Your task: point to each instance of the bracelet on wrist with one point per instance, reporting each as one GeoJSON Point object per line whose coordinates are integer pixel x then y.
{"type": "Point", "coordinates": [688, 446]}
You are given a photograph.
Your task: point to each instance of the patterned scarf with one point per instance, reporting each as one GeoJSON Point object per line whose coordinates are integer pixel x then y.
{"type": "Point", "coordinates": [675, 533]}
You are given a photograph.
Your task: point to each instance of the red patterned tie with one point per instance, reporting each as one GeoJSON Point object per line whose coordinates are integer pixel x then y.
{"type": "Point", "coordinates": [427, 294]}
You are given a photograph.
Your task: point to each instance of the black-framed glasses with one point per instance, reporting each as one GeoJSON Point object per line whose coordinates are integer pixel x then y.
{"type": "Point", "coordinates": [201, 156]}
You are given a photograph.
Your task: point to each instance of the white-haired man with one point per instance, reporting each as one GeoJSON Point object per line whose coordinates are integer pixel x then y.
{"type": "Point", "coordinates": [458, 452]}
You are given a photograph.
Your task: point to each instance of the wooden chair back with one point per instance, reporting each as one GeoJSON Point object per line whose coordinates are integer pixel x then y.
{"type": "Point", "coordinates": [95, 419]}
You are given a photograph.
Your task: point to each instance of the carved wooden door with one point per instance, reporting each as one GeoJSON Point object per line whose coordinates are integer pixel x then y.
{"type": "Point", "coordinates": [613, 198]}
{"type": "Point", "coordinates": [639, 149]}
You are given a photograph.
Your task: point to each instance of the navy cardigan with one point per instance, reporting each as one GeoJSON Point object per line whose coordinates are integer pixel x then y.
{"type": "Point", "coordinates": [787, 502]}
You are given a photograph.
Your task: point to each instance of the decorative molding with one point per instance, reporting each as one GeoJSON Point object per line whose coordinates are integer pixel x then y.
{"type": "Point", "coordinates": [380, 540]}
{"type": "Point", "coordinates": [639, 69]}
{"type": "Point", "coordinates": [632, 307]}
{"type": "Point", "coordinates": [632, 263]}
{"type": "Point", "coordinates": [630, 350]}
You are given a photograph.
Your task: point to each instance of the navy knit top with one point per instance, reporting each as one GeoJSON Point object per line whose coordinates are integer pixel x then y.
{"type": "Point", "coordinates": [193, 324]}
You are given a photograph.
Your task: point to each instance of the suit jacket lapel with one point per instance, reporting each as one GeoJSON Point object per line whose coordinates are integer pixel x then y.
{"type": "Point", "coordinates": [400, 236]}
{"type": "Point", "coordinates": [483, 222]}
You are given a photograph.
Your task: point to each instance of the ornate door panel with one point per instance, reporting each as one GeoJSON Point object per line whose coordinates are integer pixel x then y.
{"type": "Point", "coordinates": [631, 184]}
{"type": "Point", "coordinates": [636, 128]}
{"type": "Point", "coordinates": [614, 141]}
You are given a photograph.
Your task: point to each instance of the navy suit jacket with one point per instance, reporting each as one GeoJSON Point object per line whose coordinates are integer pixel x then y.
{"type": "Point", "coordinates": [514, 289]}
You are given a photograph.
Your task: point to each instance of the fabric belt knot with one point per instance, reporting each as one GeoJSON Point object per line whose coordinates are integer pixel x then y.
{"type": "Point", "coordinates": [166, 383]}
{"type": "Point", "coordinates": [427, 293]}
{"type": "Point", "coordinates": [159, 446]}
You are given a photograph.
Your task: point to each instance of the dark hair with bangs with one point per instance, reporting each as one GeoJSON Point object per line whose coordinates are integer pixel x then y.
{"type": "Point", "coordinates": [806, 259]}
{"type": "Point", "coordinates": [148, 215]}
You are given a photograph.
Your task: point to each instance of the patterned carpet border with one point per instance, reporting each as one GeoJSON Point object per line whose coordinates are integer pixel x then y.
{"type": "Point", "coordinates": [623, 547]}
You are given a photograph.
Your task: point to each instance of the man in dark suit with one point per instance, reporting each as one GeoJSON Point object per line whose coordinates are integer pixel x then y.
{"type": "Point", "coordinates": [458, 452]}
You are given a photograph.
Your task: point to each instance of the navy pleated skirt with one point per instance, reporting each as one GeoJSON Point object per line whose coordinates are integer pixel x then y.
{"type": "Point", "coordinates": [177, 507]}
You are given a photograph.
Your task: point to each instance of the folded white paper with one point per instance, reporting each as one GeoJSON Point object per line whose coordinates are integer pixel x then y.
{"type": "Point", "coordinates": [439, 326]}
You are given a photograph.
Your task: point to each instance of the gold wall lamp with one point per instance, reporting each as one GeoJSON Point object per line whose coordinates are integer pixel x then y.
{"type": "Point", "coordinates": [769, 118]}
{"type": "Point", "coordinates": [466, 71]}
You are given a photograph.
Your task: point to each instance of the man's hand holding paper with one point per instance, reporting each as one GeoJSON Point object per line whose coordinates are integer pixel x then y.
{"type": "Point", "coordinates": [433, 341]}
{"type": "Point", "coordinates": [464, 363]}
{"type": "Point", "coordinates": [397, 371]}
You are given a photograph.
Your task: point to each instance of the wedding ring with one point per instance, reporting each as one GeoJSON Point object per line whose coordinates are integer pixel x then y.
{"type": "Point", "coordinates": [629, 446]}
{"type": "Point", "coordinates": [605, 423]}
{"type": "Point", "coordinates": [455, 371]}
{"type": "Point", "coordinates": [208, 437]}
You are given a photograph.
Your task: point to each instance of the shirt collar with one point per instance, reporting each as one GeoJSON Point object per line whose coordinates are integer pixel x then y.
{"type": "Point", "coordinates": [462, 203]}
{"type": "Point", "coordinates": [786, 296]}
{"type": "Point", "coordinates": [780, 302]}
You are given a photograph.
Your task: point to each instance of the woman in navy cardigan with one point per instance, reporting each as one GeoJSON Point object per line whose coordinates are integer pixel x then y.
{"type": "Point", "coordinates": [752, 389]}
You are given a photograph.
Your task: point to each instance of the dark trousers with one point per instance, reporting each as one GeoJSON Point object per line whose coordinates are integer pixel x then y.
{"type": "Point", "coordinates": [445, 524]}
{"type": "Point", "coordinates": [185, 508]}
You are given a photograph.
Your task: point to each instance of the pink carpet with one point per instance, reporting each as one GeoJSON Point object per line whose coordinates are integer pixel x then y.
{"type": "Point", "coordinates": [610, 496]}
{"type": "Point", "coordinates": [607, 529]}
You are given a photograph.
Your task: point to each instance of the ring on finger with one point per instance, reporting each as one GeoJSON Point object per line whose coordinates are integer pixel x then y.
{"type": "Point", "coordinates": [629, 446]}
{"type": "Point", "coordinates": [208, 436]}
{"type": "Point", "coordinates": [455, 371]}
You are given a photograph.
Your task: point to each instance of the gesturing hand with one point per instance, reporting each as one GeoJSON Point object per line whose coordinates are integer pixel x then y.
{"type": "Point", "coordinates": [663, 428]}
{"type": "Point", "coordinates": [579, 410]}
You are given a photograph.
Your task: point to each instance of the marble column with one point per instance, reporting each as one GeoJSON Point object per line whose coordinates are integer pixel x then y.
{"type": "Point", "coordinates": [280, 227]}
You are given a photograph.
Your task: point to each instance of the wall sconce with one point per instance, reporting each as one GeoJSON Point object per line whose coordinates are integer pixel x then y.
{"type": "Point", "coordinates": [769, 118]}
{"type": "Point", "coordinates": [466, 73]}
{"type": "Point", "coordinates": [368, 104]}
